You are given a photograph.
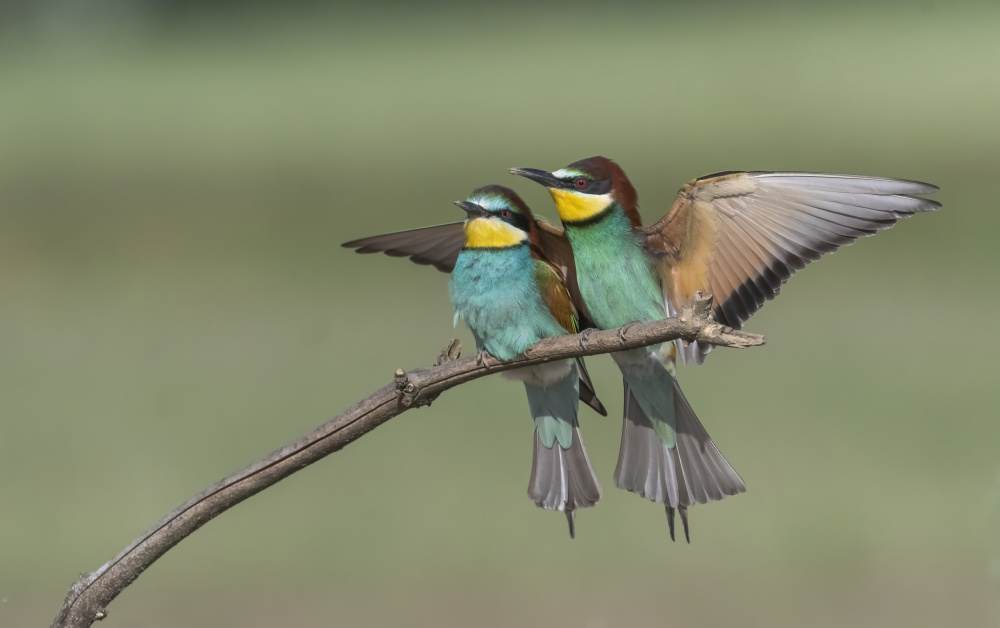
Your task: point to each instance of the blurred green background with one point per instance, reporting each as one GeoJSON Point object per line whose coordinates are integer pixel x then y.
{"type": "Point", "coordinates": [175, 182]}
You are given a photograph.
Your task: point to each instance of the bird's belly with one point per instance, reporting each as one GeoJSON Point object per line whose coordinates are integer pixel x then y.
{"type": "Point", "coordinates": [495, 318]}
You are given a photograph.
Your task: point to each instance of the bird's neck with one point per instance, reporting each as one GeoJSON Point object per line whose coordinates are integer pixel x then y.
{"type": "Point", "coordinates": [611, 222]}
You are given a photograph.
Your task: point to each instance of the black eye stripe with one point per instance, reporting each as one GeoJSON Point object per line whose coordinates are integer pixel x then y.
{"type": "Point", "coordinates": [592, 187]}
{"type": "Point", "coordinates": [519, 221]}
{"type": "Point", "coordinates": [513, 218]}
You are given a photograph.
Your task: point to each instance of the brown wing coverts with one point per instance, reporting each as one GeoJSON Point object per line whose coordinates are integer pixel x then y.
{"type": "Point", "coordinates": [551, 244]}
{"type": "Point", "coordinates": [437, 246]}
{"type": "Point", "coordinates": [556, 296]}
{"type": "Point", "coordinates": [739, 236]}
{"type": "Point", "coordinates": [564, 309]}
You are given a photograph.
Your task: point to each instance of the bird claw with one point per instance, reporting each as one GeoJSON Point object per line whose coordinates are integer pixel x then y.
{"type": "Point", "coordinates": [481, 356]}
{"type": "Point", "coordinates": [584, 336]}
{"type": "Point", "coordinates": [624, 328]}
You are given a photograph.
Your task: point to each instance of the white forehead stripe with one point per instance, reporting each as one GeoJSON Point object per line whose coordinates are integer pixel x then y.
{"type": "Point", "coordinates": [566, 174]}
{"type": "Point", "coordinates": [490, 203]}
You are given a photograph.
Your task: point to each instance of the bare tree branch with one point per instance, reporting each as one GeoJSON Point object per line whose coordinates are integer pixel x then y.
{"type": "Point", "coordinates": [89, 597]}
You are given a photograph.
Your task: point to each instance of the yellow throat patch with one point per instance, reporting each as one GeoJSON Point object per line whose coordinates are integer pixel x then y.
{"type": "Point", "coordinates": [574, 207]}
{"type": "Point", "coordinates": [492, 233]}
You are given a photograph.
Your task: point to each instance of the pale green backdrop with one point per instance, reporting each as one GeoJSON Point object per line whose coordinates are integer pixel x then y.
{"type": "Point", "coordinates": [174, 303]}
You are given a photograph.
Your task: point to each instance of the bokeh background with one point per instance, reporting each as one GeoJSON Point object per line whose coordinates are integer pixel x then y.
{"type": "Point", "coordinates": [175, 181]}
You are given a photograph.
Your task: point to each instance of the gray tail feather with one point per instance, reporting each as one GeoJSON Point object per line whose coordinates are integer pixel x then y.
{"type": "Point", "coordinates": [563, 479]}
{"type": "Point", "coordinates": [692, 472]}
{"type": "Point", "coordinates": [692, 353]}
{"type": "Point", "coordinates": [684, 520]}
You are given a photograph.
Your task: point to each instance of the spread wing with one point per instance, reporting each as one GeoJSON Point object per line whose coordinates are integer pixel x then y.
{"type": "Point", "coordinates": [740, 235]}
{"type": "Point", "coordinates": [438, 246]}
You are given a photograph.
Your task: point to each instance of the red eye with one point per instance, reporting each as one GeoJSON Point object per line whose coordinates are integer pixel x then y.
{"type": "Point", "coordinates": [580, 183]}
{"type": "Point", "coordinates": [505, 213]}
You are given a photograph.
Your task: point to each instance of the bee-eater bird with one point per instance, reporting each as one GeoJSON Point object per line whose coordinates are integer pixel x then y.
{"type": "Point", "coordinates": [735, 235]}
{"type": "Point", "coordinates": [510, 301]}
{"type": "Point", "coordinates": [509, 282]}
{"type": "Point", "coordinates": [440, 245]}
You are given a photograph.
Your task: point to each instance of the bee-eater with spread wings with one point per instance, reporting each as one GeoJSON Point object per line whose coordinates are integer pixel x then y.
{"type": "Point", "coordinates": [511, 294]}
{"type": "Point", "coordinates": [735, 235]}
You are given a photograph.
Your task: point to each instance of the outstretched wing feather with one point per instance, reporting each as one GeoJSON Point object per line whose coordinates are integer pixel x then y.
{"type": "Point", "coordinates": [437, 246]}
{"type": "Point", "coordinates": [740, 235]}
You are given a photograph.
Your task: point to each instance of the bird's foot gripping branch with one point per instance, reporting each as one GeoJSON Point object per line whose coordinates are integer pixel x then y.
{"type": "Point", "coordinates": [89, 597]}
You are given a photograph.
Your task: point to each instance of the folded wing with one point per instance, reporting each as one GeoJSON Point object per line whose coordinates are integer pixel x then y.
{"type": "Point", "coordinates": [550, 244]}
{"type": "Point", "coordinates": [740, 235]}
{"type": "Point", "coordinates": [557, 298]}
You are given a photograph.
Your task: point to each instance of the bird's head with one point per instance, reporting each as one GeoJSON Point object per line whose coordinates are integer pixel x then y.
{"type": "Point", "coordinates": [586, 189]}
{"type": "Point", "coordinates": [496, 218]}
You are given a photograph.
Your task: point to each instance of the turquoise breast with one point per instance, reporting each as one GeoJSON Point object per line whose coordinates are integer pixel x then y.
{"type": "Point", "coordinates": [495, 291]}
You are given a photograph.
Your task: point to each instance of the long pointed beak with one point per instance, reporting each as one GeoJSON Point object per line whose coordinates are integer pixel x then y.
{"type": "Point", "coordinates": [538, 176]}
{"type": "Point", "coordinates": [473, 210]}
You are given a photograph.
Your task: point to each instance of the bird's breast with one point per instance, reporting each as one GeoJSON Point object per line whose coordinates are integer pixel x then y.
{"type": "Point", "coordinates": [616, 281]}
{"type": "Point", "coordinates": [495, 292]}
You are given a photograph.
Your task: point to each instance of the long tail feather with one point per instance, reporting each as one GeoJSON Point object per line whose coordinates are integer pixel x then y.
{"type": "Point", "coordinates": [691, 471]}
{"type": "Point", "coordinates": [562, 477]}
{"type": "Point", "coordinates": [684, 521]}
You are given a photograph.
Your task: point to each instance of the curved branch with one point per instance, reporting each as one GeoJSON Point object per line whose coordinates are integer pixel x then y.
{"type": "Point", "coordinates": [88, 598]}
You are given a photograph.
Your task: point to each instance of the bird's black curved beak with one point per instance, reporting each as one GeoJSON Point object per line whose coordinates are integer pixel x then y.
{"type": "Point", "coordinates": [538, 176]}
{"type": "Point", "coordinates": [473, 210]}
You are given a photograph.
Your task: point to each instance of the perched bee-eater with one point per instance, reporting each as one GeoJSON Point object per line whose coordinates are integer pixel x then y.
{"type": "Point", "coordinates": [440, 245]}
{"type": "Point", "coordinates": [735, 235]}
{"type": "Point", "coordinates": [509, 284]}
